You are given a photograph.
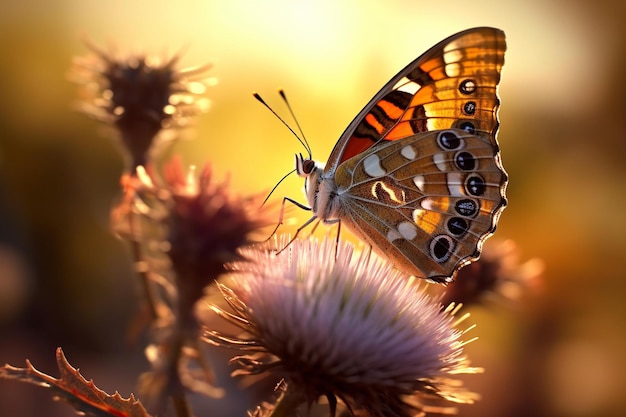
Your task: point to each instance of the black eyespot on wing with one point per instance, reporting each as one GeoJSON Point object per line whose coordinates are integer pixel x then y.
{"type": "Point", "coordinates": [465, 161]}
{"type": "Point", "coordinates": [468, 127]}
{"type": "Point", "coordinates": [475, 185]}
{"type": "Point", "coordinates": [467, 87]}
{"type": "Point", "coordinates": [469, 108]}
{"type": "Point", "coordinates": [448, 140]}
{"type": "Point", "coordinates": [458, 226]}
{"type": "Point", "coordinates": [441, 248]}
{"type": "Point", "coordinates": [467, 207]}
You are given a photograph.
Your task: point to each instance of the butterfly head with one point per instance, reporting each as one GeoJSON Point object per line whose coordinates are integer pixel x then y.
{"type": "Point", "coordinates": [304, 166]}
{"type": "Point", "coordinates": [312, 172]}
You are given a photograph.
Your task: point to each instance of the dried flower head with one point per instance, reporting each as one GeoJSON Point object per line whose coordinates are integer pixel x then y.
{"type": "Point", "coordinates": [347, 326]}
{"type": "Point", "coordinates": [187, 227]}
{"type": "Point", "coordinates": [141, 96]}
{"type": "Point", "coordinates": [206, 226]}
{"type": "Point", "coordinates": [203, 227]}
{"type": "Point", "coordinates": [497, 275]}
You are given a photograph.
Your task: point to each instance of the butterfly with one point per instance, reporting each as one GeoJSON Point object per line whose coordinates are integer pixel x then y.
{"type": "Point", "coordinates": [417, 174]}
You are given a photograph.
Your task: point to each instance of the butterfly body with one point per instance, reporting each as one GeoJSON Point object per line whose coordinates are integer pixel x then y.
{"type": "Point", "coordinates": [417, 174]}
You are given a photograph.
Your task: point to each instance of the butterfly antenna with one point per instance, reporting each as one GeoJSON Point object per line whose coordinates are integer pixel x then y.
{"type": "Point", "coordinates": [304, 143]}
{"type": "Point", "coordinates": [295, 119]}
{"type": "Point", "coordinates": [276, 186]}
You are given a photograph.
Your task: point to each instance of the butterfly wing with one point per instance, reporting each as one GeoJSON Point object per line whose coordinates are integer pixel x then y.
{"type": "Point", "coordinates": [418, 171]}
{"type": "Point", "coordinates": [452, 85]}
{"type": "Point", "coordinates": [427, 202]}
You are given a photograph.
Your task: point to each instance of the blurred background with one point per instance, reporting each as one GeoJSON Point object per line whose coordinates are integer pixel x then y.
{"type": "Point", "coordinates": [66, 281]}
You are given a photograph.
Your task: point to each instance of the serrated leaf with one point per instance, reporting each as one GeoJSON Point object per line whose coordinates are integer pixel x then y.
{"type": "Point", "coordinates": [72, 387]}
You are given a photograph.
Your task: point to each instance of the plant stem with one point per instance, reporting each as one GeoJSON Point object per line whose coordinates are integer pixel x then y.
{"type": "Point", "coordinates": [181, 406]}
{"type": "Point", "coordinates": [142, 269]}
{"type": "Point", "coordinates": [177, 391]}
{"type": "Point", "coordinates": [286, 405]}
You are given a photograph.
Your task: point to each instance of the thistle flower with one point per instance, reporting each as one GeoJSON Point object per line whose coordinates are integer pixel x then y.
{"type": "Point", "coordinates": [498, 275]}
{"type": "Point", "coordinates": [142, 97]}
{"type": "Point", "coordinates": [206, 226]}
{"type": "Point", "coordinates": [344, 325]}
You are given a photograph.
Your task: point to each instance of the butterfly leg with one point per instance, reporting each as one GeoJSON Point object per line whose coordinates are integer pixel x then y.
{"type": "Point", "coordinates": [282, 214]}
{"type": "Point", "coordinates": [338, 223]}
{"type": "Point", "coordinates": [308, 222]}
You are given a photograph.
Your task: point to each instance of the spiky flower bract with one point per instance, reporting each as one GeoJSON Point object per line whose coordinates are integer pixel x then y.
{"type": "Point", "coordinates": [204, 226]}
{"type": "Point", "coordinates": [207, 225]}
{"type": "Point", "coordinates": [142, 96]}
{"type": "Point", "coordinates": [345, 325]}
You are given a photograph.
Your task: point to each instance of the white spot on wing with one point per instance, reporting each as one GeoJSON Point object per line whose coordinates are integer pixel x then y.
{"type": "Point", "coordinates": [427, 204]}
{"type": "Point", "coordinates": [408, 152]}
{"type": "Point", "coordinates": [407, 230]}
{"type": "Point", "coordinates": [392, 235]}
{"type": "Point", "coordinates": [439, 160]}
{"type": "Point", "coordinates": [407, 86]}
{"type": "Point", "coordinates": [452, 53]}
{"type": "Point", "coordinates": [455, 185]}
{"type": "Point", "coordinates": [453, 70]}
{"type": "Point", "coordinates": [419, 182]}
{"type": "Point", "coordinates": [410, 88]}
{"type": "Point", "coordinates": [372, 167]}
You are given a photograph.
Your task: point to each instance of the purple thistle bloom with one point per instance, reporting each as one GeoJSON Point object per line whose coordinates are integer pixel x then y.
{"type": "Point", "coordinates": [343, 325]}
